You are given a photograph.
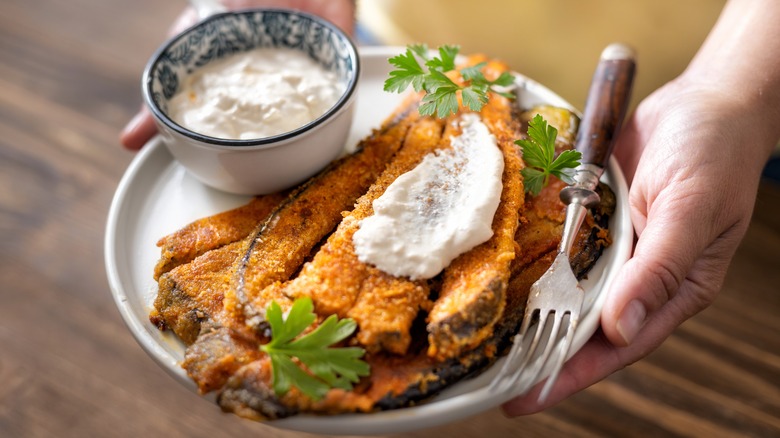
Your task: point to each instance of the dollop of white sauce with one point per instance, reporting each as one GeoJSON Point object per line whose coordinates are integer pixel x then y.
{"type": "Point", "coordinates": [255, 94]}
{"type": "Point", "coordinates": [438, 210]}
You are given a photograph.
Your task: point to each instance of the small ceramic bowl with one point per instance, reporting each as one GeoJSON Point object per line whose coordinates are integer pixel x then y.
{"type": "Point", "coordinates": [262, 165]}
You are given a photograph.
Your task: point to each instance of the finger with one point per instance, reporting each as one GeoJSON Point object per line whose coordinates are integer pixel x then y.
{"type": "Point", "coordinates": [598, 359]}
{"type": "Point", "coordinates": [138, 131]}
{"type": "Point", "coordinates": [672, 239]}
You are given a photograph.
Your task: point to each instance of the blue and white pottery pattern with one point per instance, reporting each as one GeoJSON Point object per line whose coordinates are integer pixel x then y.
{"type": "Point", "coordinates": [225, 34]}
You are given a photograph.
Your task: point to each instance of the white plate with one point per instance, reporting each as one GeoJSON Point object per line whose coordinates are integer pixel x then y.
{"type": "Point", "coordinates": [156, 196]}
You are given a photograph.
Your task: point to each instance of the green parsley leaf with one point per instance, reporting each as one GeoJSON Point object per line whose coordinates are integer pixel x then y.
{"type": "Point", "coordinates": [533, 180]}
{"type": "Point", "coordinates": [564, 164]}
{"type": "Point", "coordinates": [504, 80]}
{"type": "Point", "coordinates": [420, 50]}
{"type": "Point", "coordinates": [409, 72]}
{"type": "Point", "coordinates": [475, 96]}
{"type": "Point", "coordinates": [474, 73]}
{"type": "Point", "coordinates": [441, 93]}
{"type": "Point", "coordinates": [441, 97]}
{"type": "Point", "coordinates": [446, 60]}
{"type": "Point", "coordinates": [539, 156]}
{"type": "Point", "coordinates": [329, 367]}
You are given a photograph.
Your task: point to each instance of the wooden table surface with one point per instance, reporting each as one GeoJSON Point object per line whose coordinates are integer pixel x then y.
{"type": "Point", "coordinates": [69, 79]}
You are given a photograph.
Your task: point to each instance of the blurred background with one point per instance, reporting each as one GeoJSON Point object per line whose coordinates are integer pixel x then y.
{"type": "Point", "coordinates": [69, 81]}
{"type": "Point", "coordinates": [555, 42]}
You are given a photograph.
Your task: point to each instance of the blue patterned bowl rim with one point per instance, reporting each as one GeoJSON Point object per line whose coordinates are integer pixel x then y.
{"type": "Point", "coordinates": [349, 92]}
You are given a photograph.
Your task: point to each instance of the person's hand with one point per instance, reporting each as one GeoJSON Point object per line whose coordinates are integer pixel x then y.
{"type": "Point", "coordinates": [141, 128]}
{"type": "Point", "coordinates": [693, 156]}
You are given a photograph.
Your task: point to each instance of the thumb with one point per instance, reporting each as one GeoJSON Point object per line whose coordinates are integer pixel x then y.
{"type": "Point", "coordinates": [668, 246]}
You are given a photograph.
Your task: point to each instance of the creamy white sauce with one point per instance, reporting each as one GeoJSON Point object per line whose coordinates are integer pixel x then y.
{"type": "Point", "coordinates": [438, 210]}
{"type": "Point", "coordinates": [255, 94]}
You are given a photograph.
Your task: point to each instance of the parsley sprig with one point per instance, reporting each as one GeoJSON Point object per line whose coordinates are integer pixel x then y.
{"type": "Point", "coordinates": [441, 92]}
{"type": "Point", "coordinates": [330, 367]}
{"type": "Point", "coordinates": [539, 156]}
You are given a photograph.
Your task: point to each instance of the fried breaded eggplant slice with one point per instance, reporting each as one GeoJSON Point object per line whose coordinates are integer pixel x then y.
{"type": "Point", "coordinates": [472, 294]}
{"type": "Point", "coordinates": [212, 232]}
{"type": "Point", "coordinates": [218, 353]}
{"type": "Point", "coordinates": [383, 306]}
{"type": "Point", "coordinates": [192, 293]}
{"type": "Point", "coordinates": [398, 381]}
{"type": "Point", "coordinates": [277, 248]}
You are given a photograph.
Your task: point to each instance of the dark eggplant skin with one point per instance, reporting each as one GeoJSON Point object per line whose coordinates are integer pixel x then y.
{"type": "Point", "coordinates": [247, 394]}
{"type": "Point", "coordinates": [183, 304]}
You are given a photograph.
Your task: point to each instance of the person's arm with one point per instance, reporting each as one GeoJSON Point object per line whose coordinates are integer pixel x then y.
{"type": "Point", "coordinates": [693, 152]}
{"type": "Point", "coordinates": [141, 127]}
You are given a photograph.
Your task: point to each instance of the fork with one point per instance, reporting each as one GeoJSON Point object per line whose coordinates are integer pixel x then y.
{"type": "Point", "coordinates": [555, 300]}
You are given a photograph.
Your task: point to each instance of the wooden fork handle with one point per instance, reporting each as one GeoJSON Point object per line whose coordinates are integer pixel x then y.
{"type": "Point", "coordinates": [608, 98]}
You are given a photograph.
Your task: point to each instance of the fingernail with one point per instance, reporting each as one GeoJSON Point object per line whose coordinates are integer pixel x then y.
{"type": "Point", "coordinates": [631, 320]}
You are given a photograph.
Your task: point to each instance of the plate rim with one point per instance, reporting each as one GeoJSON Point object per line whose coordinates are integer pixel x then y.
{"type": "Point", "coordinates": [424, 415]}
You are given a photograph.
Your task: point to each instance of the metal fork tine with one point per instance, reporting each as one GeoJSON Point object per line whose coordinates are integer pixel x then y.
{"type": "Point", "coordinates": [551, 341]}
{"type": "Point", "coordinates": [509, 372]}
{"type": "Point", "coordinates": [537, 337]}
{"type": "Point", "coordinates": [534, 343]}
{"type": "Point", "coordinates": [567, 341]}
{"type": "Point", "coordinates": [519, 352]}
